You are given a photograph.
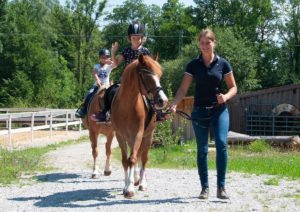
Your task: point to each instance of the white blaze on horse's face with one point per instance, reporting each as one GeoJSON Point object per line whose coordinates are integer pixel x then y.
{"type": "Point", "coordinates": [161, 99]}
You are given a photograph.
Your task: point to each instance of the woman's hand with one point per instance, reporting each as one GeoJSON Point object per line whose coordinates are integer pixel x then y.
{"type": "Point", "coordinates": [221, 98]}
{"type": "Point", "coordinates": [114, 47]}
{"type": "Point", "coordinates": [173, 108]}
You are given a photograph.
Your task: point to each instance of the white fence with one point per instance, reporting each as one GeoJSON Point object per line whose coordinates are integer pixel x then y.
{"type": "Point", "coordinates": [51, 118]}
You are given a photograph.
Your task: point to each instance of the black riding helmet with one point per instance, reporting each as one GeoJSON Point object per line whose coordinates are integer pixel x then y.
{"type": "Point", "coordinates": [136, 28]}
{"type": "Point", "coordinates": [104, 52]}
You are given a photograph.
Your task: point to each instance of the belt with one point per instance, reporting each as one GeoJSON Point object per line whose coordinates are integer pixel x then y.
{"type": "Point", "coordinates": [213, 106]}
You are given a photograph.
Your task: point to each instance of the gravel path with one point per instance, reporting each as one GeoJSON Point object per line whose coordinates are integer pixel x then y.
{"type": "Point", "coordinates": [69, 188]}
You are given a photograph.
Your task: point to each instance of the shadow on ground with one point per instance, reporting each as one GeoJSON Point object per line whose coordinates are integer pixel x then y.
{"type": "Point", "coordinates": [55, 177]}
{"type": "Point", "coordinates": [82, 198]}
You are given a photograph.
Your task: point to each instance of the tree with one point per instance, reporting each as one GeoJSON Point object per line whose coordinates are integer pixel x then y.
{"type": "Point", "coordinates": [31, 72]}
{"type": "Point", "coordinates": [175, 29]}
{"type": "Point", "coordinates": [84, 21]}
{"type": "Point", "coordinates": [289, 33]}
{"type": "Point", "coordinates": [236, 50]}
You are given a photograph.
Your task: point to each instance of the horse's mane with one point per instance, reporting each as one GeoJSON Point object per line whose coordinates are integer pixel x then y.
{"type": "Point", "coordinates": [129, 72]}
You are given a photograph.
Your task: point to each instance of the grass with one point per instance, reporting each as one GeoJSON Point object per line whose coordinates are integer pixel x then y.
{"type": "Point", "coordinates": [257, 158]}
{"type": "Point", "coordinates": [16, 163]}
{"type": "Point", "coordinates": [272, 181]}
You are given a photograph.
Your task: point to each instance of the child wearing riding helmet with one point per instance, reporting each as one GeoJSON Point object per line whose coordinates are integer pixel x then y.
{"type": "Point", "coordinates": [136, 36]}
{"type": "Point", "coordinates": [101, 74]}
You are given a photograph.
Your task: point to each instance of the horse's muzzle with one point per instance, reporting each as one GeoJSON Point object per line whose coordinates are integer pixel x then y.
{"type": "Point", "coordinates": [161, 100]}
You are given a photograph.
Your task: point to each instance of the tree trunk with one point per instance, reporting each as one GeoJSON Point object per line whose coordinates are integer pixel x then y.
{"type": "Point", "coordinates": [282, 141]}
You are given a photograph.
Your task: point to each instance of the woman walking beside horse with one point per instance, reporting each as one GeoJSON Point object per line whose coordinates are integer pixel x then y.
{"type": "Point", "coordinates": [209, 70]}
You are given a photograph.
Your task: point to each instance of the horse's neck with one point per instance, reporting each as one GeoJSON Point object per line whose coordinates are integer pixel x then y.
{"type": "Point", "coordinates": [130, 87]}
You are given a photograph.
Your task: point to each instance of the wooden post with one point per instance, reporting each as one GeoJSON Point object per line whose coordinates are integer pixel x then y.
{"type": "Point", "coordinates": [32, 125]}
{"type": "Point", "coordinates": [10, 132]}
{"type": "Point", "coordinates": [46, 119]}
{"type": "Point", "coordinates": [80, 125]}
{"type": "Point", "coordinates": [6, 121]}
{"type": "Point", "coordinates": [67, 120]}
{"type": "Point", "coordinates": [51, 119]}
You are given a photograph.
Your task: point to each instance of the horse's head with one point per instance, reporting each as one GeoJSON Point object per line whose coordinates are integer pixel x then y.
{"type": "Point", "coordinates": [149, 73]}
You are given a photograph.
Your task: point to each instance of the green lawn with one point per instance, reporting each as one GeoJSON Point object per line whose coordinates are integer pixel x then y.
{"type": "Point", "coordinates": [15, 163]}
{"type": "Point", "coordinates": [257, 158]}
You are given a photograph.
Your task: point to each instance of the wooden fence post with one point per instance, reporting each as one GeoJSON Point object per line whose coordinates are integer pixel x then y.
{"type": "Point", "coordinates": [6, 121]}
{"type": "Point", "coordinates": [80, 125]}
{"type": "Point", "coordinates": [32, 126]}
{"type": "Point", "coordinates": [51, 119]}
{"type": "Point", "coordinates": [67, 120]}
{"type": "Point", "coordinates": [9, 132]}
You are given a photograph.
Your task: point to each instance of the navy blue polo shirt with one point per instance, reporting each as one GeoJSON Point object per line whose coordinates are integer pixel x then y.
{"type": "Point", "coordinates": [208, 79]}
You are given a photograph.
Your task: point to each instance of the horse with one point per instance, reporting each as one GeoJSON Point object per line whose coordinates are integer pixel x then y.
{"type": "Point", "coordinates": [96, 129]}
{"type": "Point", "coordinates": [130, 118]}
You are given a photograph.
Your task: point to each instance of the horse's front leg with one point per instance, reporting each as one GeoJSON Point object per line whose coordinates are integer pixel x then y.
{"type": "Point", "coordinates": [107, 169]}
{"type": "Point", "coordinates": [133, 161]}
{"type": "Point", "coordinates": [94, 144]}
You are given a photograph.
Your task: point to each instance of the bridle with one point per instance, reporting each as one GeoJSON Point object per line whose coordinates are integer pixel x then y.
{"type": "Point", "coordinates": [154, 92]}
{"type": "Point", "coordinates": [151, 92]}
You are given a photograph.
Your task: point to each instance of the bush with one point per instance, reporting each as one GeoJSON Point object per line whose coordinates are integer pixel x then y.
{"type": "Point", "coordinates": [165, 135]}
{"type": "Point", "coordinates": [259, 146]}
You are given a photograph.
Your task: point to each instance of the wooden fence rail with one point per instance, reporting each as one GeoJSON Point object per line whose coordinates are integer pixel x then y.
{"type": "Point", "coordinates": [50, 121]}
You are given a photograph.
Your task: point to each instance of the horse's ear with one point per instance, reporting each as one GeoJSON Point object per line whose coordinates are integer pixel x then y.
{"type": "Point", "coordinates": [141, 59]}
{"type": "Point", "coordinates": [155, 56]}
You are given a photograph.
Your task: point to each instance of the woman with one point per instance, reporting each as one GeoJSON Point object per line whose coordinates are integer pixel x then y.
{"type": "Point", "coordinates": [208, 70]}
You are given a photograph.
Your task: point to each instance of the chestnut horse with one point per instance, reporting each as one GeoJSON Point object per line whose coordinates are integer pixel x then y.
{"type": "Point", "coordinates": [95, 130]}
{"type": "Point", "coordinates": [130, 118]}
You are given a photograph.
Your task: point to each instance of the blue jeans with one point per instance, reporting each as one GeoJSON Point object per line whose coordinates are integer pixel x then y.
{"type": "Point", "coordinates": [89, 94]}
{"type": "Point", "coordinates": [218, 118]}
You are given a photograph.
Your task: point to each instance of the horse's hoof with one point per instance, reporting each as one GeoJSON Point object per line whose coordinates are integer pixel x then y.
{"type": "Point", "coordinates": [129, 194]}
{"type": "Point", "coordinates": [142, 188]}
{"type": "Point", "coordinates": [107, 173]}
{"type": "Point", "coordinates": [94, 176]}
{"type": "Point", "coordinates": [137, 183]}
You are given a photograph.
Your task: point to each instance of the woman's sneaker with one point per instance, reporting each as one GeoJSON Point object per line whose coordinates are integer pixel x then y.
{"type": "Point", "coordinates": [204, 193]}
{"type": "Point", "coordinates": [221, 193]}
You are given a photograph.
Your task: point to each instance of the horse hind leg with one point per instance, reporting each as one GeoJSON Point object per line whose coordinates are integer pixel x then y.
{"type": "Point", "coordinates": [94, 144]}
{"type": "Point", "coordinates": [146, 144]}
{"type": "Point", "coordinates": [109, 139]}
{"type": "Point", "coordinates": [143, 181]}
{"type": "Point", "coordinates": [136, 174]}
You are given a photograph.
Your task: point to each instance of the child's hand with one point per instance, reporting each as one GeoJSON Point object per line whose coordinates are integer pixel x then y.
{"type": "Point", "coordinates": [108, 61]}
{"type": "Point", "coordinates": [99, 83]}
{"type": "Point", "coordinates": [114, 47]}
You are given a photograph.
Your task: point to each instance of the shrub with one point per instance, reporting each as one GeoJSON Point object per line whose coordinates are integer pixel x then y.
{"type": "Point", "coordinates": [259, 146]}
{"type": "Point", "coordinates": [165, 134]}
